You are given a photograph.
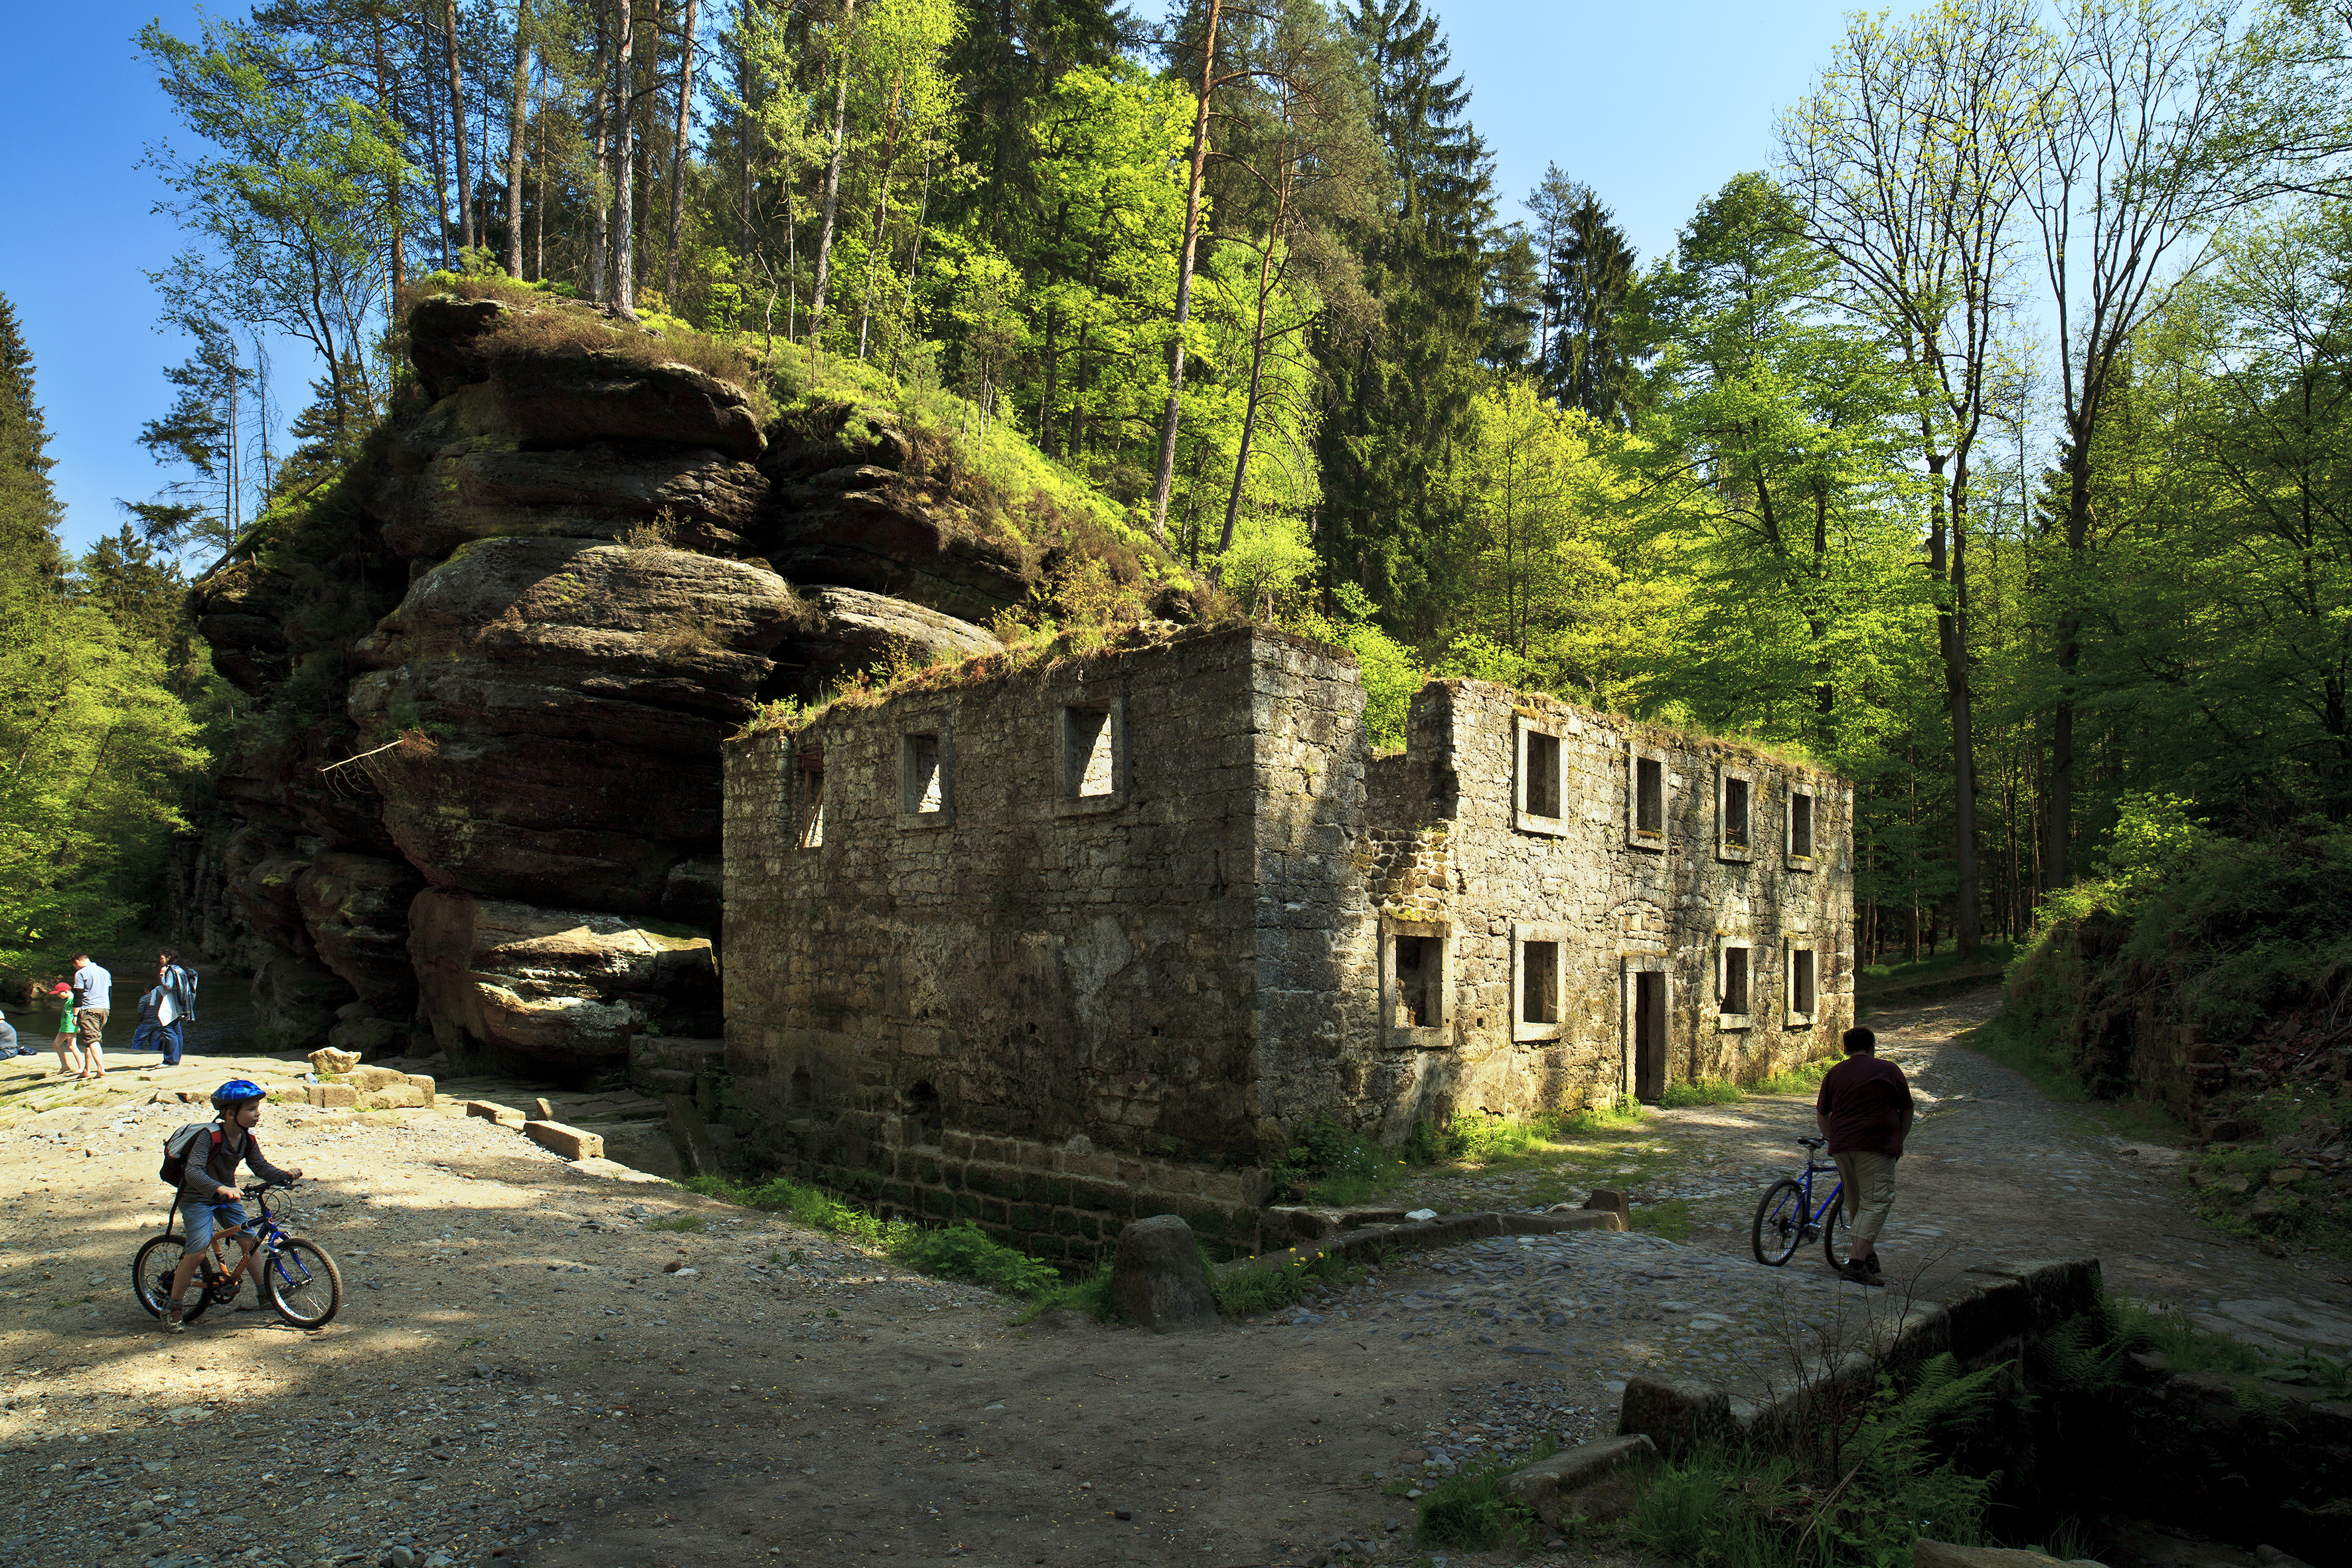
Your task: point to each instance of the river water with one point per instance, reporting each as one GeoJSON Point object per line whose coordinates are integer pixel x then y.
{"type": "Point", "coordinates": [224, 1023]}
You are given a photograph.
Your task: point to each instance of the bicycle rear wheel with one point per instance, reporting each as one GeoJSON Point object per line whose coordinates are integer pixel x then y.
{"type": "Point", "coordinates": [1780, 1223]}
{"type": "Point", "coordinates": [1835, 1243]}
{"type": "Point", "coordinates": [151, 1279]}
{"type": "Point", "coordinates": [303, 1284]}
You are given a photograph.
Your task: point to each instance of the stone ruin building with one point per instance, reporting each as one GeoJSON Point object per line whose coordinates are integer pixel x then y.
{"type": "Point", "coordinates": [1050, 949]}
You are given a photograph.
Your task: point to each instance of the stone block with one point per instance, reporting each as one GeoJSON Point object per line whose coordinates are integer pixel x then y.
{"type": "Point", "coordinates": [399, 1096]}
{"type": "Point", "coordinates": [1157, 1279]}
{"type": "Point", "coordinates": [491, 1111]}
{"type": "Point", "coordinates": [329, 1060]}
{"type": "Point", "coordinates": [1926, 1553]}
{"type": "Point", "coordinates": [331, 1094]}
{"type": "Point", "coordinates": [1553, 1223]}
{"type": "Point", "coordinates": [1593, 1481]}
{"type": "Point", "coordinates": [1616, 1200]}
{"type": "Point", "coordinates": [569, 1141]}
{"type": "Point", "coordinates": [1676, 1415]}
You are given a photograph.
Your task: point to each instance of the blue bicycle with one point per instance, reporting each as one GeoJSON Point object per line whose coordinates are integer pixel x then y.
{"type": "Point", "coordinates": [295, 1276]}
{"type": "Point", "coordinates": [1787, 1218]}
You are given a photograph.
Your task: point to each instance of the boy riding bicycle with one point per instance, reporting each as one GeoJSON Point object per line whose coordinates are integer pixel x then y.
{"type": "Point", "coordinates": [209, 1195]}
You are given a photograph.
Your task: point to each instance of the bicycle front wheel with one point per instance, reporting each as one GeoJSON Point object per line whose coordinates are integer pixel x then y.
{"type": "Point", "coordinates": [1835, 1243]}
{"type": "Point", "coordinates": [303, 1284]}
{"type": "Point", "coordinates": [151, 1279]}
{"type": "Point", "coordinates": [1780, 1223]}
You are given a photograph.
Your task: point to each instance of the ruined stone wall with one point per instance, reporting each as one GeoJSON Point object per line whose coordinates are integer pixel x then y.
{"type": "Point", "coordinates": [1454, 856]}
{"type": "Point", "coordinates": [1020, 974]}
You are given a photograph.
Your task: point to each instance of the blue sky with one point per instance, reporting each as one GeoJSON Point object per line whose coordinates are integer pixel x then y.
{"type": "Point", "coordinates": [1653, 106]}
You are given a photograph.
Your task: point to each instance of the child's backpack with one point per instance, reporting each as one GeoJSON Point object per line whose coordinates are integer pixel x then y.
{"type": "Point", "coordinates": [181, 1144]}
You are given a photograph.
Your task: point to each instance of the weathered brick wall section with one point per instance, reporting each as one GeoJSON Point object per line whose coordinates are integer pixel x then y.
{"type": "Point", "coordinates": [1051, 1015]}
{"type": "Point", "coordinates": [1612, 904]}
{"type": "Point", "coordinates": [1065, 990]}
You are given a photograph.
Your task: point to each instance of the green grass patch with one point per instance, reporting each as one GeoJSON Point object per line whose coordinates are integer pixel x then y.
{"type": "Point", "coordinates": [1805, 1078]}
{"type": "Point", "coordinates": [1090, 1295]}
{"type": "Point", "coordinates": [685, 1222]}
{"type": "Point", "coordinates": [1671, 1220]}
{"type": "Point", "coordinates": [1471, 1511]}
{"type": "Point", "coordinates": [1992, 955]}
{"type": "Point", "coordinates": [1701, 1091]}
{"type": "Point", "coordinates": [2007, 1040]}
{"type": "Point", "coordinates": [1253, 1287]}
{"type": "Point", "coordinates": [961, 1252]}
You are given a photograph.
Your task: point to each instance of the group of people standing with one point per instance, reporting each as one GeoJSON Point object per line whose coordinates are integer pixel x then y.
{"type": "Point", "coordinates": [84, 996]}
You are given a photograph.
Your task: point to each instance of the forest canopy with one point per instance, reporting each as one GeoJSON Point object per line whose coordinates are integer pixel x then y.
{"type": "Point", "coordinates": [1989, 445]}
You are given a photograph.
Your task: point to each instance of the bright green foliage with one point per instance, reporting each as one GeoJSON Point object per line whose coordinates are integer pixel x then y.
{"type": "Point", "coordinates": [98, 741]}
{"type": "Point", "coordinates": [954, 1252]}
{"type": "Point", "coordinates": [1470, 1510]}
{"type": "Point", "coordinates": [1250, 1287]}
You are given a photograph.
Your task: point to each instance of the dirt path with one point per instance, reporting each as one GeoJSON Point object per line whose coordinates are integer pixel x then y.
{"type": "Point", "coordinates": [516, 1371]}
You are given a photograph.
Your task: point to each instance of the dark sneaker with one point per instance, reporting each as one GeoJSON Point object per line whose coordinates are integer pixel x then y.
{"type": "Point", "coordinates": [1862, 1274]}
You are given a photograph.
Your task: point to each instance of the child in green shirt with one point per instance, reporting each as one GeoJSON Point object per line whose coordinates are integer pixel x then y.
{"type": "Point", "coordinates": [67, 1043]}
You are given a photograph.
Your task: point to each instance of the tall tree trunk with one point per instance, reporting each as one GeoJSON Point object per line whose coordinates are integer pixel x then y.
{"type": "Point", "coordinates": [1164, 479]}
{"type": "Point", "coordinates": [539, 210]}
{"type": "Point", "coordinates": [599, 269]}
{"type": "Point", "coordinates": [1948, 559]}
{"type": "Point", "coordinates": [2059, 827]}
{"type": "Point", "coordinates": [457, 122]}
{"type": "Point", "coordinates": [440, 172]}
{"type": "Point", "coordinates": [678, 157]}
{"type": "Point", "coordinates": [625, 212]}
{"type": "Point", "coordinates": [517, 126]}
{"type": "Point", "coordinates": [642, 110]}
{"type": "Point", "coordinates": [1256, 377]}
{"type": "Point", "coordinates": [387, 97]}
{"type": "Point", "coordinates": [832, 169]}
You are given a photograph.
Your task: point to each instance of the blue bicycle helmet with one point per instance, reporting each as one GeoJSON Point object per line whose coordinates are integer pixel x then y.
{"type": "Point", "coordinates": [237, 1092]}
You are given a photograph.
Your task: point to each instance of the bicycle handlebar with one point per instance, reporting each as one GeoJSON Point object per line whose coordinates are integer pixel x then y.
{"type": "Point", "coordinates": [255, 1189]}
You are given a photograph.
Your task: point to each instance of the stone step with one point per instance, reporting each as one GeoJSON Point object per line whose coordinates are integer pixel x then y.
{"type": "Point", "coordinates": [662, 1080]}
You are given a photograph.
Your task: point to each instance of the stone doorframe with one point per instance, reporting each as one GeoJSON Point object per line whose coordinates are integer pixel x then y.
{"type": "Point", "coordinates": [1634, 962]}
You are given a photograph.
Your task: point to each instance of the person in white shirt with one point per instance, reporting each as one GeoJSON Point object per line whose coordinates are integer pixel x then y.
{"type": "Point", "coordinates": [90, 984]}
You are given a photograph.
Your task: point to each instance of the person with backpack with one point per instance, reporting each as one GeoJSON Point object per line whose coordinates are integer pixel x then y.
{"type": "Point", "coordinates": [177, 1005]}
{"type": "Point", "coordinates": [201, 1158]}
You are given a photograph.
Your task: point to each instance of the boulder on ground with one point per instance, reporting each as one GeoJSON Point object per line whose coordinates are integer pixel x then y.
{"type": "Point", "coordinates": [329, 1059]}
{"type": "Point", "coordinates": [1157, 1278]}
{"type": "Point", "coordinates": [1592, 1480]}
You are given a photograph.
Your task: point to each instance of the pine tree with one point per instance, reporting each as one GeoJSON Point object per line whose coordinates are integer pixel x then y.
{"type": "Point", "coordinates": [1589, 280]}
{"type": "Point", "coordinates": [1398, 396]}
{"type": "Point", "coordinates": [29, 513]}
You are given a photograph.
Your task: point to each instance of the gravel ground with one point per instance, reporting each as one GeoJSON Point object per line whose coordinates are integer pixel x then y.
{"type": "Point", "coordinates": [520, 1375]}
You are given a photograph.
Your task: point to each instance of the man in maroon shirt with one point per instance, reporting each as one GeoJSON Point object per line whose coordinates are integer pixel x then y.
{"type": "Point", "coordinates": [1865, 1110]}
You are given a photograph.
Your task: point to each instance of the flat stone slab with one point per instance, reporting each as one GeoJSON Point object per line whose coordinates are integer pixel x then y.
{"type": "Point", "coordinates": [1591, 1481]}
{"type": "Point", "coordinates": [491, 1110]}
{"type": "Point", "coordinates": [569, 1141]}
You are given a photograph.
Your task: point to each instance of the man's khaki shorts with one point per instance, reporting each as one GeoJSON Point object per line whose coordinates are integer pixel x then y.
{"type": "Point", "coordinates": [1869, 1191]}
{"type": "Point", "coordinates": [90, 1022]}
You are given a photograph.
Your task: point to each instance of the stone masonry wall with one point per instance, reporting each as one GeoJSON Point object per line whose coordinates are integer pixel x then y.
{"type": "Point", "coordinates": [1033, 1007]}
{"type": "Point", "coordinates": [1450, 852]}
{"type": "Point", "coordinates": [1056, 949]}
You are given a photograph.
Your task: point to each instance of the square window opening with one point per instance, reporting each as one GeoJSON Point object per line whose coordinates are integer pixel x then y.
{"type": "Point", "coordinates": [1735, 981]}
{"type": "Point", "coordinates": [1649, 795]}
{"type": "Point", "coordinates": [1801, 981]}
{"type": "Point", "coordinates": [926, 781]}
{"type": "Point", "coordinates": [1735, 813]}
{"type": "Point", "coordinates": [1539, 982]}
{"type": "Point", "coordinates": [812, 774]}
{"type": "Point", "coordinates": [1419, 963]}
{"type": "Point", "coordinates": [1800, 825]}
{"type": "Point", "coordinates": [1087, 752]}
{"type": "Point", "coordinates": [1542, 773]}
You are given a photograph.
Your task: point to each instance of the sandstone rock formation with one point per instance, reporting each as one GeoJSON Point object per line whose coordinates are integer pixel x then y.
{"type": "Point", "coordinates": [1157, 1278]}
{"type": "Point", "coordinates": [535, 609]}
{"type": "Point", "coordinates": [554, 988]}
{"type": "Point", "coordinates": [575, 694]}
